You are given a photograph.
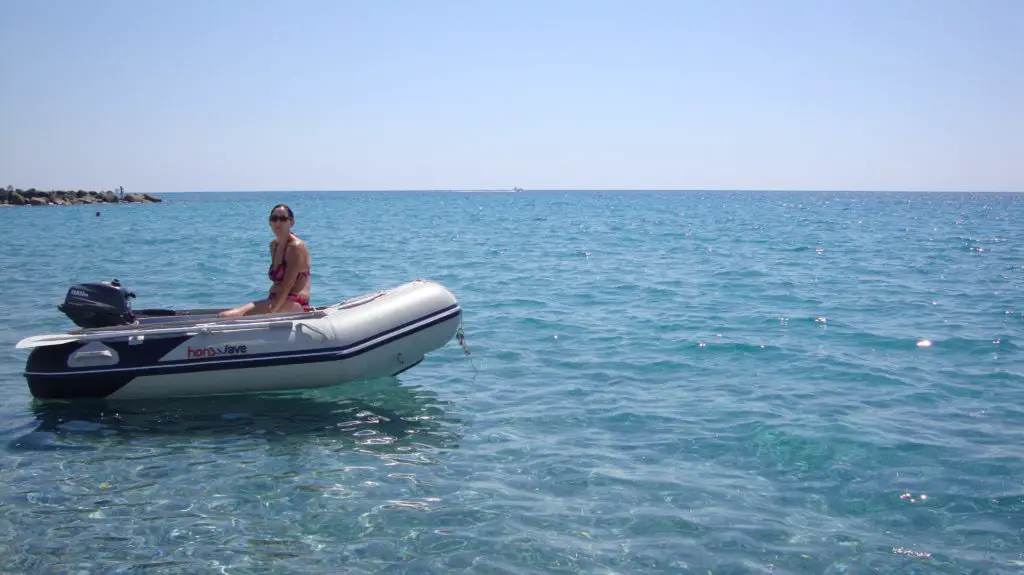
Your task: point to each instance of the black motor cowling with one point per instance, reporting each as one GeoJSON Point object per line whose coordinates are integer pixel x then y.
{"type": "Point", "coordinates": [100, 304]}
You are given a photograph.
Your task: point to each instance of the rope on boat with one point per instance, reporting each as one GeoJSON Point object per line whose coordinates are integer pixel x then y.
{"type": "Point", "coordinates": [460, 335]}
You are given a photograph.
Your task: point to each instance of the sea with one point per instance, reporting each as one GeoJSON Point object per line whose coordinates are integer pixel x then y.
{"type": "Point", "coordinates": [656, 382]}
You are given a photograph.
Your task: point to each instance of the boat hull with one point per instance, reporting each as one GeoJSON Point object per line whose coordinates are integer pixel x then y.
{"type": "Point", "coordinates": [376, 335]}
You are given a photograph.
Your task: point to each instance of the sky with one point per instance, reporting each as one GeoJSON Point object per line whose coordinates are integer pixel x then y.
{"type": "Point", "coordinates": [231, 95]}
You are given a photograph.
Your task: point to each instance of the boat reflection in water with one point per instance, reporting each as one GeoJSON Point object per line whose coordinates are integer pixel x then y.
{"type": "Point", "coordinates": [380, 416]}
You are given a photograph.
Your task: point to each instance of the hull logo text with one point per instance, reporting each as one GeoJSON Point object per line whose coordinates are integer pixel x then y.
{"type": "Point", "coordinates": [200, 352]}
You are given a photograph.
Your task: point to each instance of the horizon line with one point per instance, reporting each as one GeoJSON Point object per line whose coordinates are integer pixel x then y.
{"type": "Point", "coordinates": [529, 190]}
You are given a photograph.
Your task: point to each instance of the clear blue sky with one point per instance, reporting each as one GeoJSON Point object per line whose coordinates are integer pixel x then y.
{"type": "Point", "coordinates": [190, 95]}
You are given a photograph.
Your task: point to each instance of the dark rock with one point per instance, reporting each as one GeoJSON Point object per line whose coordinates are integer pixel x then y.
{"type": "Point", "coordinates": [36, 197]}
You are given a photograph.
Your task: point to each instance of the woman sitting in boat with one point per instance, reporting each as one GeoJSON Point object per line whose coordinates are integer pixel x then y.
{"type": "Point", "coordinates": [289, 270]}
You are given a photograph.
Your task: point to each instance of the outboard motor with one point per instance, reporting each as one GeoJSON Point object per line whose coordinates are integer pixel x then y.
{"type": "Point", "coordinates": [101, 304]}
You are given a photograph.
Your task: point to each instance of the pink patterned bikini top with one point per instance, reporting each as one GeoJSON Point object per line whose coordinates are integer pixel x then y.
{"type": "Point", "coordinates": [277, 274]}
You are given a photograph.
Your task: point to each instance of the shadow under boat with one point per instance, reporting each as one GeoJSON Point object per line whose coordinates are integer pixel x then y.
{"type": "Point", "coordinates": [378, 415]}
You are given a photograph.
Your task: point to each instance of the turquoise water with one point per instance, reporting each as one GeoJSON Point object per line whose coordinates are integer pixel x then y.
{"type": "Point", "coordinates": [659, 382]}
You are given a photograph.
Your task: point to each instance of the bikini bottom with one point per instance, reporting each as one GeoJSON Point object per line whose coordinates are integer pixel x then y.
{"type": "Point", "coordinates": [295, 298]}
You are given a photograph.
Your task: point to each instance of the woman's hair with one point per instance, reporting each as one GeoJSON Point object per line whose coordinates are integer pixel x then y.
{"type": "Point", "coordinates": [289, 210]}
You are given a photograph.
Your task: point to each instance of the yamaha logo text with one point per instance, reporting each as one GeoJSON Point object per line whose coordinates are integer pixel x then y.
{"type": "Point", "coordinates": [198, 352]}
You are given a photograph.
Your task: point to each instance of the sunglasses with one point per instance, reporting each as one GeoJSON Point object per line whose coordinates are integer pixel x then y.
{"type": "Point", "coordinates": [279, 218]}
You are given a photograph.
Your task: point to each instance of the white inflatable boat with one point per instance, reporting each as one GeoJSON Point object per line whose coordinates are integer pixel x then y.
{"type": "Point", "coordinates": [120, 353]}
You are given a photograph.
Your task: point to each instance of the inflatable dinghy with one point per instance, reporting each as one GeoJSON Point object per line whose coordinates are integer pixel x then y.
{"type": "Point", "coordinates": [120, 353]}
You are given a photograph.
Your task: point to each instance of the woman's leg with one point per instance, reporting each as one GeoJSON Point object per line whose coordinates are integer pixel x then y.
{"type": "Point", "coordinates": [251, 308]}
{"type": "Point", "coordinates": [291, 305]}
{"type": "Point", "coordinates": [260, 307]}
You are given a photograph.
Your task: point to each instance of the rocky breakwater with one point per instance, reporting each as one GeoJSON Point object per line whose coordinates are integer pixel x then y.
{"type": "Point", "coordinates": [34, 197]}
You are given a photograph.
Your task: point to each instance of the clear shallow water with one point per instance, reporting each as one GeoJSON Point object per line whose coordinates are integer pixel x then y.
{"type": "Point", "coordinates": [690, 382]}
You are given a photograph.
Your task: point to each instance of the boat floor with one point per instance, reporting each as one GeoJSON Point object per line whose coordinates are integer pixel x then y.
{"type": "Point", "coordinates": [152, 319]}
{"type": "Point", "coordinates": [147, 319]}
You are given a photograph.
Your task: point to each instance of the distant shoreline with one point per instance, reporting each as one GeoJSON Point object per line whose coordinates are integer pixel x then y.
{"type": "Point", "coordinates": [34, 197]}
